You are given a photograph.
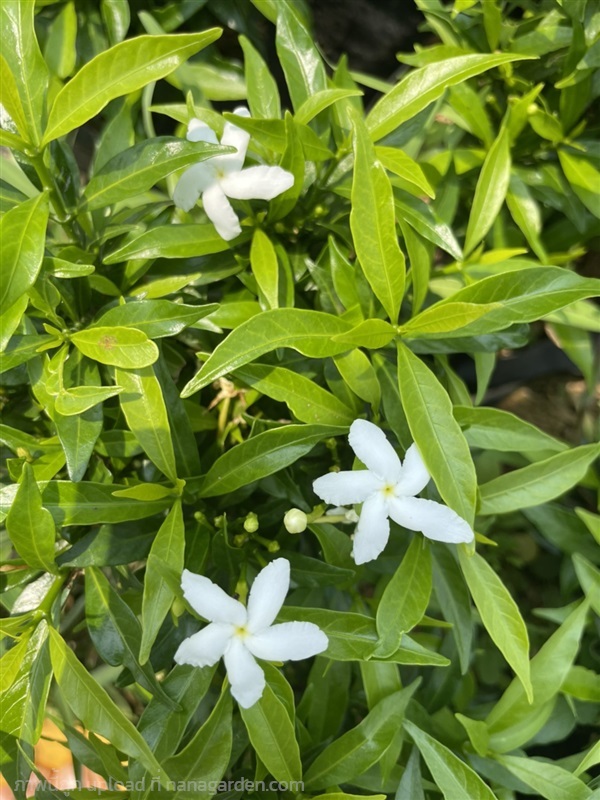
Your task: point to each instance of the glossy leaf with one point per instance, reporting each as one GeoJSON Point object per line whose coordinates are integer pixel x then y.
{"type": "Point", "coordinates": [440, 441]}
{"type": "Point", "coordinates": [124, 68]}
{"type": "Point", "coordinates": [22, 234]}
{"type": "Point", "coordinates": [30, 525]}
{"type": "Point", "coordinates": [128, 348]}
{"type": "Point", "coordinates": [308, 332]}
{"type": "Point", "coordinates": [499, 614]}
{"type": "Point", "coordinates": [262, 455]}
{"type": "Point", "coordinates": [155, 318]}
{"type": "Point", "coordinates": [171, 241]}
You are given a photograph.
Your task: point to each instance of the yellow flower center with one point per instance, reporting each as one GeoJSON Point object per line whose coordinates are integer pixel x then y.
{"type": "Point", "coordinates": [241, 631]}
{"type": "Point", "coordinates": [388, 490]}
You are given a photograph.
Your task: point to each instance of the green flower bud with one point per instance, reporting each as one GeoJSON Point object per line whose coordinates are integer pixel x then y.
{"type": "Point", "coordinates": [251, 523]}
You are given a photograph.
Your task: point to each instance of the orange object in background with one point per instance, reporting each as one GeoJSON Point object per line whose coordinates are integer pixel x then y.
{"type": "Point", "coordinates": [55, 763]}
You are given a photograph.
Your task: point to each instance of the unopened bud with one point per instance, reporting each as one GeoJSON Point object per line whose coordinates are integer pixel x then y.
{"type": "Point", "coordinates": [240, 540]}
{"type": "Point", "coordinates": [295, 521]}
{"type": "Point", "coordinates": [273, 547]}
{"type": "Point", "coordinates": [251, 523]}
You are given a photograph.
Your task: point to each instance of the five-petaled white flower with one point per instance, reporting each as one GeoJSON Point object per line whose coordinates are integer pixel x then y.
{"type": "Point", "coordinates": [221, 177]}
{"type": "Point", "coordinates": [238, 634]}
{"type": "Point", "coordinates": [387, 488]}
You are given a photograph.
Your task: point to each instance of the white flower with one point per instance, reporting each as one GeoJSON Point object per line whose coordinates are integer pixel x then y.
{"type": "Point", "coordinates": [387, 488]}
{"type": "Point", "coordinates": [221, 177]}
{"type": "Point", "coordinates": [238, 634]}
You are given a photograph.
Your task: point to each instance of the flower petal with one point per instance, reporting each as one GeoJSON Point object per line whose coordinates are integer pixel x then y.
{"type": "Point", "coordinates": [206, 647]}
{"type": "Point", "coordinates": [191, 184]}
{"type": "Point", "coordinates": [414, 476]}
{"type": "Point", "coordinates": [341, 488]}
{"type": "Point", "coordinates": [199, 131]}
{"type": "Point", "coordinates": [220, 213]}
{"type": "Point", "coordinates": [257, 183]}
{"type": "Point", "coordinates": [434, 520]}
{"type": "Point", "coordinates": [372, 447]}
{"type": "Point", "coordinates": [210, 601]}
{"type": "Point", "coordinates": [267, 594]}
{"type": "Point", "coordinates": [234, 137]}
{"type": "Point", "coordinates": [373, 529]}
{"type": "Point", "coordinates": [245, 676]}
{"type": "Point", "coordinates": [289, 641]}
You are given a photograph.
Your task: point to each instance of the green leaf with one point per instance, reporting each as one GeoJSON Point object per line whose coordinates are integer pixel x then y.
{"type": "Point", "coordinates": [156, 318]}
{"type": "Point", "coordinates": [361, 747]}
{"type": "Point", "coordinates": [422, 86]}
{"type": "Point", "coordinates": [454, 777]}
{"type": "Point", "coordinates": [121, 69]}
{"type": "Point", "coordinates": [92, 705]}
{"type": "Point", "coordinates": [308, 401]}
{"type": "Point", "coordinates": [440, 441]}
{"type": "Point", "coordinates": [537, 483]}
{"type": "Point", "coordinates": [263, 94]}
{"type": "Point", "coordinates": [10, 99]}
{"type": "Point", "coordinates": [265, 267]}
{"type": "Point", "coordinates": [171, 241]}
{"type": "Point", "coordinates": [293, 160]}
{"type": "Point", "coordinates": [308, 332]}
{"type": "Point", "coordinates": [30, 525]}
{"type": "Point", "coordinates": [411, 784]}
{"type": "Point", "coordinates": [30, 73]}
{"type": "Point", "coordinates": [166, 553]}
{"type": "Point", "coordinates": [373, 225]}
{"type": "Point", "coordinates": [495, 429]}
{"type": "Point", "coordinates": [589, 578]}
{"type": "Point", "coordinates": [315, 103]}
{"type": "Point", "coordinates": [405, 598]}
{"type": "Point", "coordinates": [359, 376]}
{"type": "Point", "coordinates": [500, 615]}
{"type": "Point", "coordinates": [548, 780]}
{"type": "Point", "coordinates": [371, 333]}
{"type": "Point", "coordinates": [401, 164]}
{"type": "Point", "coordinates": [272, 735]}
{"type": "Point", "coordinates": [446, 318]}
{"type": "Point", "coordinates": [299, 58]}
{"type": "Point", "coordinates": [142, 166]}
{"type": "Point", "coordinates": [79, 399]}
{"type": "Point", "coordinates": [490, 191]}
{"type": "Point", "coordinates": [583, 177]}
{"type": "Point", "coordinates": [22, 238]}
{"type": "Point", "coordinates": [128, 348]}
{"type": "Point", "coordinates": [524, 295]}
{"type": "Point", "coordinates": [144, 409]}
{"type": "Point", "coordinates": [85, 503]}
{"type": "Point", "coordinates": [204, 759]}
{"type": "Point", "coordinates": [262, 455]}
{"type": "Point", "coordinates": [60, 51]}
{"type": "Point", "coordinates": [116, 633]}
{"type": "Point", "coordinates": [454, 600]}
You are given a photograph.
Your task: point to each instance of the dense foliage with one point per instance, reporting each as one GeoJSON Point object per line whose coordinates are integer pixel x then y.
{"type": "Point", "coordinates": [169, 396]}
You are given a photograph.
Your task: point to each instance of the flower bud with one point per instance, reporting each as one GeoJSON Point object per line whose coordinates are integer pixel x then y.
{"type": "Point", "coordinates": [251, 523]}
{"type": "Point", "coordinates": [273, 547]}
{"type": "Point", "coordinates": [295, 521]}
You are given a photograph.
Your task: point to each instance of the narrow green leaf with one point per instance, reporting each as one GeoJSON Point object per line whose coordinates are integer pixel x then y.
{"type": "Point", "coordinates": [10, 98]}
{"type": "Point", "coordinates": [537, 483]}
{"type": "Point", "coordinates": [373, 225]}
{"type": "Point", "coordinates": [116, 632]}
{"type": "Point", "coordinates": [405, 598]}
{"type": "Point", "coordinates": [121, 69]}
{"type": "Point", "coordinates": [30, 525]}
{"type": "Point", "coordinates": [79, 399]}
{"type": "Point", "coordinates": [454, 777]}
{"type": "Point", "coordinates": [140, 167]}
{"type": "Point", "coordinates": [309, 332]}
{"type": "Point", "coordinates": [272, 735]}
{"type": "Point", "coordinates": [548, 780]}
{"type": "Point", "coordinates": [22, 237]}
{"type": "Point", "coordinates": [262, 455]}
{"type": "Point", "coordinates": [371, 333]}
{"type": "Point", "coordinates": [92, 705]}
{"type": "Point", "coordinates": [166, 553]}
{"type": "Point", "coordinates": [359, 376]}
{"type": "Point", "coordinates": [299, 58]}
{"type": "Point", "coordinates": [446, 319]}
{"type": "Point", "coordinates": [438, 436]}
{"type": "Point", "coordinates": [128, 348]}
{"type": "Point", "coordinates": [203, 761]}
{"type": "Point", "coordinates": [500, 615]}
{"type": "Point", "coordinates": [422, 86]}
{"type": "Point", "coordinates": [263, 94]}
{"type": "Point", "coordinates": [308, 401]}
{"type": "Point", "coordinates": [171, 241]}
{"type": "Point", "coordinates": [402, 165]}
{"type": "Point", "coordinates": [156, 318]}
{"type": "Point", "coordinates": [21, 50]}
{"type": "Point", "coordinates": [265, 267]}
{"type": "Point", "coordinates": [315, 103]}
{"type": "Point", "coordinates": [454, 600]}
{"type": "Point", "coordinates": [144, 409]}
{"type": "Point", "coordinates": [583, 177]}
{"type": "Point", "coordinates": [361, 747]}
{"type": "Point", "coordinates": [495, 429]}
{"type": "Point", "coordinates": [490, 191]}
